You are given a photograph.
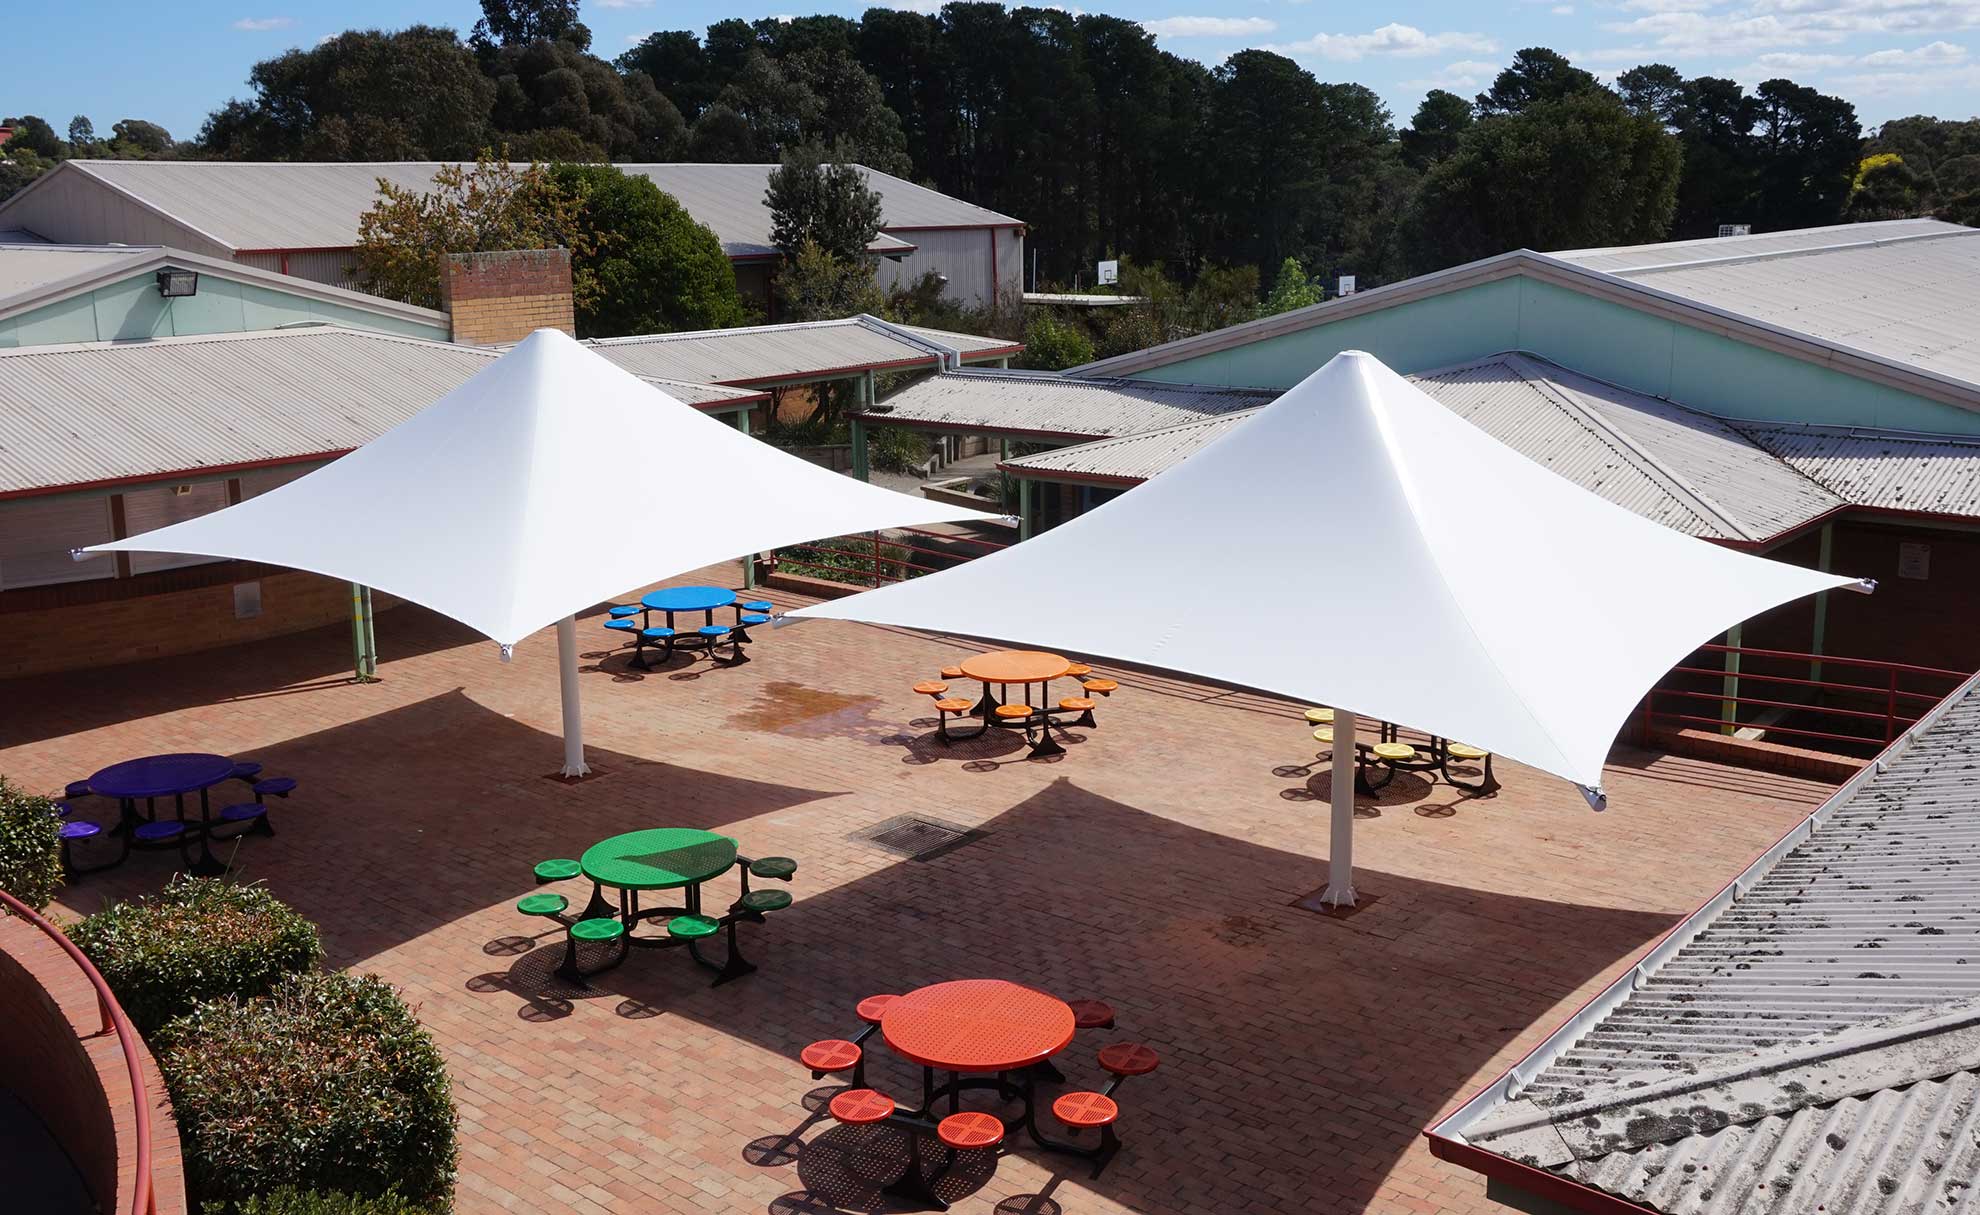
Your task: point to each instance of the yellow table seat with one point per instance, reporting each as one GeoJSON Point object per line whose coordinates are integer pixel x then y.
{"type": "Point", "coordinates": [1394, 751]}
{"type": "Point", "coordinates": [1320, 716]}
{"type": "Point", "coordinates": [1324, 734]}
{"type": "Point", "coordinates": [1458, 750]}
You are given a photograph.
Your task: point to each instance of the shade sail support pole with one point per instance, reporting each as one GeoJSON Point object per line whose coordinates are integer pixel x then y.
{"type": "Point", "coordinates": [567, 683]}
{"type": "Point", "coordinates": [1340, 849]}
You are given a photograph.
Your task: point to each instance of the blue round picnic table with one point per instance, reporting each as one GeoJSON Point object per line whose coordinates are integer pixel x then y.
{"type": "Point", "coordinates": [688, 599]}
{"type": "Point", "coordinates": [173, 776]}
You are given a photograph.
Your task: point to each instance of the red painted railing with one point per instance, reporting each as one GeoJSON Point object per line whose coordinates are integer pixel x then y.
{"type": "Point", "coordinates": [143, 1201]}
{"type": "Point", "coordinates": [1884, 699]}
{"type": "Point", "coordinates": [878, 558]}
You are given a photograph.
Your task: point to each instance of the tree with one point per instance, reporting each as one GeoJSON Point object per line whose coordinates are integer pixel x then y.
{"type": "Point", "coordinates": [1720, 183]}
{"type": "Point", "coordinates": [778, 111]}
{"type": "Point", "coordinates": [1052, 343]}
{"type": "Point", "coordinates": [1433, 134]}
{"type": "Point", "coordinates": [521, 22]}
{"type": "Point", "coordinates": [1570, 173]}
{"type": "Point", "coordinates": [1885, 188]}
{"type": "Point", "coordinates": [848, 110]}
{"type": "Point", "coordinates": [82, 136]}
{"type": "Point", "coordinates": [816, 284]}
{"type": "Point", "coordinates": [1809, 146]}
{"type": "Point", "coordinates": [1291, 288]}
{"type": "Point", "coordinates": [648, 267]}
{"type": "Point", "coordinates": [415, 94]}
{"type": "Point", "coordinates": [827, 204]}
{"type": "Point", "coordinates": [136, 139]}
{"type": "Point", "coordinates": [1536, 74]}
{"type": "Point", "coordinates": [720, 136]}
{"type": "Point", "coordinates": [405, 237]}
{"type": "Point", "coordinates": [673, 60]}
{"type": "Point", "coordinates": [1655, 90]}
{"type": "Point", "coordinates": [33, 134]}
{"type": "Point", "coordinates": [544, 86]}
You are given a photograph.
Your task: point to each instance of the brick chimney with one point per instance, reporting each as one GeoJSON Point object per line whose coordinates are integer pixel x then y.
{"type": "Point", "coordinates": [506, 296]}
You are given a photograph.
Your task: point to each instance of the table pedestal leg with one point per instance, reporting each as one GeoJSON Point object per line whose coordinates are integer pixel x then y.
{"type": "Point", "coordinates": [207, 865]}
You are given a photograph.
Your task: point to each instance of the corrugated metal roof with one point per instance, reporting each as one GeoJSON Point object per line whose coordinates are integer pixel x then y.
{"type": "Point", "coordinates": [289, 205]}
{"type": "Point", "coordinates": [1686, 470]}
{"type": "Point", "coordinates": [1022, 402]}
{"type": "Point", "coordinates": [103, 411]}
{"type": "Point", "coordinates": [785, 352]}
{"type": "Point", "coordinates": [1815, 1043]}
{"type": "Point", "coordinates": [29, 267]}
{"type": "Point", "coordinates": [1623, 259]}
{"type": "Point", "coordinates": [1908, 290]}
{"type": "Point", "coordinates": [1886, 469]}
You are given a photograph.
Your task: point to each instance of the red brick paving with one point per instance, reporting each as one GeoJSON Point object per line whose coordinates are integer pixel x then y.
{"type": "Point", "coordinates": [1153, 866]}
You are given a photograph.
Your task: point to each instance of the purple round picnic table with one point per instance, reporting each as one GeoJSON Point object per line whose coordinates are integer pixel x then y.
{"type": "Point", "coordinates": [171, 776]}
{"type": "Point", "coordinates": [161, 775]}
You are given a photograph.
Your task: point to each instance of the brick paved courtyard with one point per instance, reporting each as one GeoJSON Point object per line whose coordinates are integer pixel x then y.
{"type": "Point", "coordinates": [1154, 865]}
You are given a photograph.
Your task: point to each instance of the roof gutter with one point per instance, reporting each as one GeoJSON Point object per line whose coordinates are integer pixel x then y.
{"type": "Point", "coordinates": [949, 358]}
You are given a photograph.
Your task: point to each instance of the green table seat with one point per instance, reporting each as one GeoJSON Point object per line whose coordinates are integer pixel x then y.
{"type": "Point", "coordinates": [601, 929]}
{"type": "Point", "coordinates": [542, 904]}
{"type": "Point", "coordinates": [557, 870]}
{"type": "Point", "coordinates": [690, 926]}
{"type": "Point", "coordinates": [766, 900]}
{"type": "Point", "coordinates": [781, 867]}
{"type": "Point", "coordinates": [662, 858]}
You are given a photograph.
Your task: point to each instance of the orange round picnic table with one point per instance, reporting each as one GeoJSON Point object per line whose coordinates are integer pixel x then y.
{"type": "Point", "coordinates": [1015, 666]}
{"type": "Point", "coordinates": [978, 1025]}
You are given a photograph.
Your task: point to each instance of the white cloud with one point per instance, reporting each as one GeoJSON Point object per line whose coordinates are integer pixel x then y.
{"type": "Point", "coordinates": [1460, 77]}
{"type": "Point", "coordinates": [1562, 10]}
{"type": "Point", "coordinates": [1715, 34]}
{"type": "Point", "coordinates": [259, 24]}
{"type": "Point", "coordinates": [928, 7]}
{"type": "Point", "coordinates": [1930, 53]}
{"type": "Point", "coordinates": [1405, 41]}
{"type": "Point", "coordinates": [1209, 27]}
{"type": "Point", "coordinates": [625, 3]}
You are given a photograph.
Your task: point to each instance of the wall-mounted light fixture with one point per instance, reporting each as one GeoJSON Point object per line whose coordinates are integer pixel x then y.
{"type": "Point", "coordinates": [172, 284]}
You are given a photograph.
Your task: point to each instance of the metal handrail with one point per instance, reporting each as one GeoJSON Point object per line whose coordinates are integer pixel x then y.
{"type": "Point", "coordinates": [1887, 692]}
{"type": "Point", "coordinates": [143, 1199]}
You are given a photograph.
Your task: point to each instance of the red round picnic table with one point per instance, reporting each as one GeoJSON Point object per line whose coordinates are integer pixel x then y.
{"type": "Point", "coordinates": [977, 1025]}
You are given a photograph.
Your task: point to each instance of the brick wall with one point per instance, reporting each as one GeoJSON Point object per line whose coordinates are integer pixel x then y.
{"type": "Point", "coordinates": [65, 638]}
{"type": "Point", "coordinates": [506, 296]}
{"type": "Point", "coordinates": [54, 1058]}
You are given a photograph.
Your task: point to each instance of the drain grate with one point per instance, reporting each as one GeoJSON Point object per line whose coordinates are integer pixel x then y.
{"type": "Point", "coordinates": [917, 837]}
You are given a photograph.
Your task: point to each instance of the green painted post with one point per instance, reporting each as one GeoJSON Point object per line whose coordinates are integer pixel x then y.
{"type": "Point", "coordinates": [370, 639]}
{"type": "Point", "coordinates": [357, 632]}
{"type": "Point", "coordinates": [741, 418]}
{"type": "Point", "coordinates": [860, 469]}
{"type": "Point", "coordinates": [1024, 508]}
{"type": "Point", "coordinates": [1821, 603]}
{"type": "Point", "coordinates": [1729, 685]}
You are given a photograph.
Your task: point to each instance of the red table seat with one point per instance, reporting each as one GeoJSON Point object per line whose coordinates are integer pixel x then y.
{"type": "Point", "coordinates": [1082, 1110]}
{"type": "Point", "coordinates": [1129, 1059]}
{"type": "Point", "coordinates": [1092, 1014]}
{"type": "Point", "coordinates": [872, 1008]}
{"type": "Point", "coordinates": [862, 1106]}
{"type": "Point", "coordinates": [971, 1129]}
{"type": "Point", "coordinates": [830, 1055]}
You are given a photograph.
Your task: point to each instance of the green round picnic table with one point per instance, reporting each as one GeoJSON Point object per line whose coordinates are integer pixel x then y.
{"type": "Point", "coordinates": [658, 859]}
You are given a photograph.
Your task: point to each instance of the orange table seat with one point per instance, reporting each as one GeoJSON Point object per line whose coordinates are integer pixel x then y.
{"type": "Point", "coordinates": [862, 1107]}
{"type": "Point", "coordinates": [970, 1129]}
{"type": "Point", "coordinates": [872, 1008]}
{"type": "Point", "coordinates": [1092, 1014]}
{"type": "Point", "coordinates": [930, 688]}
{"type": "Point", "coordinates": [1077, 704]}
{"type": "Point", "coordinates": [830, 1055]}
{"type": "Point", "coordinates": [1079, 670]}
{"type": "Point", "coordinates": [952, 672]}
{"type": "Point", "coordinates": [1085, 1110]}
{"type": "Point", "coordinates": [953, 704]}
{"type": "Point", "coordinates": [1129, 1059]}
{"type": "Point", "coordinates": [1015, 712]}
{"type": "Point", "coordinates": [1101, 687]}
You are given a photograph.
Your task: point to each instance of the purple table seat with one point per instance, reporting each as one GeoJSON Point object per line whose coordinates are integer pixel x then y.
{"type": "Point", "coordinates": [247, 770]}
{"type": "Point", "coordinates": [243, 812]}
{"type": "Point", "coordinates": [80, 829]}
{"type": "Point", "coordinates": [275, 786]}
{"type": "Point", "coordinates": [162, 831]}
{"type": "Point", "coordinates": [76, 788]}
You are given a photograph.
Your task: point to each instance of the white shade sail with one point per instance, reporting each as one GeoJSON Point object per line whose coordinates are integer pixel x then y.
{"type": "Point", "coordinates": [1356, 544]}
{"type": "Point", "coordinates": [549, 482]}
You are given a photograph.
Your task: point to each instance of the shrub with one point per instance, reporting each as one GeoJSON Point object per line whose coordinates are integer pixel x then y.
{"type": "Point", "coordinates": [897, 449]}
{"type": "Point", "coordinates": [198, 940]}
{"type": "Point", "coordinates": [328, 1083]}
{"type": "Point", "coordinates": [288, 1200]}
{"type": "Point", "coordinates": [30, 846]}
{"type": "Point", "coordinates": [1054, 344]}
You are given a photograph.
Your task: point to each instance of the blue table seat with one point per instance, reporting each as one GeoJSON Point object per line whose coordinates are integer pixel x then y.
{"type": "Point", "coordinates": [619, 611]}
{"type": "Point", "coordinates": [246, 770]}
{"type": "Point", "coordinates": [755, 618]}
{"type": "Point", "coordinates": [713, 631]}
{"type": "Point", "coordinates": [656, 634]}
{"type": "Point", "coordinates": [275, 786]}
{"type": "Point", "coordinates": [244, 812]}
{"type": "Point", "coordinates": [163, 831]}
{"type": "Point", "coordinates": [759, 605]}
{"type": "Point", "coordinates": [80, 829]}
{"type": "Point", "coordinates": [77, 788]}
{"type": "Point", "coordinates": [623, 625]}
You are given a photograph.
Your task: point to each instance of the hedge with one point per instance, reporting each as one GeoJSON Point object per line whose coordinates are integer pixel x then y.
{"type": "Point", "coordinates": [201, 939]}
{"type": "Point", "coordinates": [30, 846]}
{"type": "Point", "coordinates": [288, 1200]}
{"type": "Point", "coordinates": [328, 1084]}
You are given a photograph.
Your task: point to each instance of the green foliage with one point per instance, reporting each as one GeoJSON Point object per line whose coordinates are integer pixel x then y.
{"type": "Point", "coordinates": [1885, 188]}
{"type": "Point", "coordinates": [522, 22]}
{"type": "Point", "coordinates": [850, 559]}
{"type": "Point", "coordinates": [30, 846]}
{"type": "Point", "coordinates": [200, 939]}
{"type": "Point", "coordinates": [18, 170]}
{"type": "Point", "coordinates": [406, 236]}
{"type": "Point", "coordinates": [896, 449]}
{"type": "Point", "coordinates": [136, 139]}
{"type": "Point", "coordinates": [922, 301]}
{"type": "Point", "coordinates": [1434, 133]}
{"type": "Point", "coordinates": [817, 286]}
{"type": "Point", "coordinates": [327, 1083]}
{"type": "Point", "coordinates": [649, 266]}
{"type": "Point", "coordinates": [1536, 74]}
{"type": "Point", "coordinates": [1053, 343]}
{"type": "Point", "coordinates": [1573, 173]}
{"type": "Point", "coordinates": [288, 1200]}
{"type": "Point", "coordinates": [552, 90]}
{"type": "Point", "coordinates": [33, 134]}
{"type": "Point", "coordinates": [827, 204]}
{"type": "Point", "coordinates": [82, 135]}
{"type": "Point", "coordinates": [1291, 288]}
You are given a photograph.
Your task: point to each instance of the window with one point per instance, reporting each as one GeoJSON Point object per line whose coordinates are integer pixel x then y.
{"type": "Point", "coordinates": [149, 509]}
{"type": "Point", "coordinates": [36, 536]}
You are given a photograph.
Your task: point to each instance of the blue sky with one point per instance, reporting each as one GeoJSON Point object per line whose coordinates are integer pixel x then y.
{"type": "Point", "coordinates": [172, 63]}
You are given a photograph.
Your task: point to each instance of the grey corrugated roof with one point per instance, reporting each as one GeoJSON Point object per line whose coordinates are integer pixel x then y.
{"type": "Point", "coordinates": [1907, 290]}
{"type": "Point", "coordinates": [1031, 402]}
{"type": "Point", "coordinates": [1686, 470]}
{"type": "Point", "coordinates": [765, 353]}
{"type": "Point", "coordinates": [1810, 1043]}
{"type": "Point", "coordinates": [1625, 259]}
{"type": "Point", "coordinates": [291, 205]}
{"type": "Point", "coordinates": [1889, 470]}
{"type": "Point", "coordinates": [27, 267]}
{"type": "Point", "coordinates": [105, 411]}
